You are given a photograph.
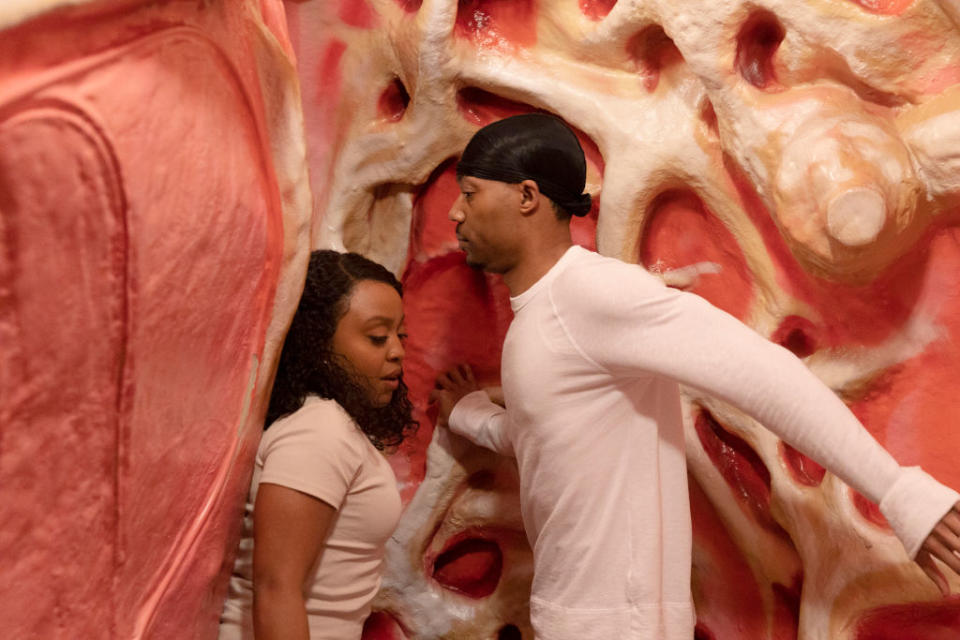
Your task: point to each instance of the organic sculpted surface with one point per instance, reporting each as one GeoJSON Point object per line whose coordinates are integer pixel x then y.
{"type": "Point", "coordinates": [153, 239]}
{"type": "Point", "coordinates": [797, 164]}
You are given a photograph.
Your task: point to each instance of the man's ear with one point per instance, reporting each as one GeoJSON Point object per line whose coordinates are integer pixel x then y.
{"type": "Point", "coordinates": [529, 197]}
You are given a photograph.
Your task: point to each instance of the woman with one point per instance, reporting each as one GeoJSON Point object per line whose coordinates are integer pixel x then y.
{"type": "Point", "coordinates": [323, 499]}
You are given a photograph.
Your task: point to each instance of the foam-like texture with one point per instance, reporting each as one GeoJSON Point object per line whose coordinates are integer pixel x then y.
{"type": "Point", "coordinates": [793, 163]}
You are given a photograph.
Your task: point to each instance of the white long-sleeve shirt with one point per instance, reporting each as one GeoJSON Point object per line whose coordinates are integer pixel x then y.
{"type": "Point", "coordinates": [591, 370]}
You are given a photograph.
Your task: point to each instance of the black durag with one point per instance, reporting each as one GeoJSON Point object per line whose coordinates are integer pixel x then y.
{"type": "Point", "coordinates": [533, 146]}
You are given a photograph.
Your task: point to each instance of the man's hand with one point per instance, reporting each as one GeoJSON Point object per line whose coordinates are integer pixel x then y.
{"type": "Point", "coordinates": [943, 543]}
{"type": "Point", "coordinates": [452, 385]}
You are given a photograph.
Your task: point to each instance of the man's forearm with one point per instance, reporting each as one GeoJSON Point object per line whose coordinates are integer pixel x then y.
{"type": "Point", "coordinates": [482, 422]}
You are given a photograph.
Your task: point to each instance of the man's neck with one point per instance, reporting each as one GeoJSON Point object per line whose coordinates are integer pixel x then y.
{"type": "Point", "coordinates": [534, 265]}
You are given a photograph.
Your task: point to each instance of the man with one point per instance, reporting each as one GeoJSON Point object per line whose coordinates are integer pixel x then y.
{"type": "Point", "coordinates": [591, 370]}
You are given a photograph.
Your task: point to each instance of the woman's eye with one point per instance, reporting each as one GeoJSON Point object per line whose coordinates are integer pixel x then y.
{"type": "Point", "coordinates": [378, 340]}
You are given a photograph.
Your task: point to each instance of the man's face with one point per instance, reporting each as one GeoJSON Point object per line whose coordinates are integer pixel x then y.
{"type": "Point", "coordinates": [487, 213]}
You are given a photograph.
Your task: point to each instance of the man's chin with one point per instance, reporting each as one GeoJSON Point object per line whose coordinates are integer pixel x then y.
{"type": "Point", "coordinates": [474, 262]}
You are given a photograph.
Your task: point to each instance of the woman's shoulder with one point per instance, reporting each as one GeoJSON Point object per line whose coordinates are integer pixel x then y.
{"type": "Point", "coordinates": [319, 420]}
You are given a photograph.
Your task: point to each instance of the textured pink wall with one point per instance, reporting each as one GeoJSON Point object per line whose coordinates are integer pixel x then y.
{"type": "Point", "coordinates": [145, 225]}
{"type": "Point", "coordinates": [792, 163]}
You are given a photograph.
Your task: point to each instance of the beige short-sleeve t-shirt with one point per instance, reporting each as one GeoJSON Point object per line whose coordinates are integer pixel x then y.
{"type": "Point", "coordinates": [320, 451]}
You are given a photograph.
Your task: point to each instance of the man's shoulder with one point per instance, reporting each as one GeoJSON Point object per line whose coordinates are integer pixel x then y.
{"type": "Point", "coordinates": [595, 277]}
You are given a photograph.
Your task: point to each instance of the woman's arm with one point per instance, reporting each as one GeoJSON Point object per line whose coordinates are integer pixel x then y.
{"type": "Point", "coordinates": [289, 532]}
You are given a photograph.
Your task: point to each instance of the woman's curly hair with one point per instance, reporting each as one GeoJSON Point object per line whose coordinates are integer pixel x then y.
{"type": "Point", "coordinates": [308, 365]}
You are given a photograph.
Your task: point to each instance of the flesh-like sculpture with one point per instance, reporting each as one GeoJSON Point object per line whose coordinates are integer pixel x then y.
{"type": "Point", "coordinates": [794, 163]}
{"type": "Point", "coordinates": [153, 215]}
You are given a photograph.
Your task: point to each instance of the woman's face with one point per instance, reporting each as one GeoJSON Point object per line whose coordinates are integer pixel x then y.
{"type": "Point", "coordinates": [370, 336]}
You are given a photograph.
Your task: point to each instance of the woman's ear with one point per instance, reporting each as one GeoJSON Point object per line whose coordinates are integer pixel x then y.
{"type": "Point", "coordinates": [529, 196]}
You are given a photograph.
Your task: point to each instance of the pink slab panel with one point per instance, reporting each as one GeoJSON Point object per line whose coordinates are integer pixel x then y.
{"type": "Point", "coordinates": [204, 260]}
{"type": "Point", "coordinates": [142, 243]}
{"type": "Point", "coordinates": [63, 326]}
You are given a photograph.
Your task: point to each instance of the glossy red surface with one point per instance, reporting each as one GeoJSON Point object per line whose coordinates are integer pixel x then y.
{"type": "Point", "coordinates": [680, 231]}
{"type": "Point", "coordinates": [740, 466]}
{"type": "Point", "coordinates": [802, 469]}
{"type": "Point", "coordinates": [471, 566]}
{"type": "Point", "coordinates": [502, 24]}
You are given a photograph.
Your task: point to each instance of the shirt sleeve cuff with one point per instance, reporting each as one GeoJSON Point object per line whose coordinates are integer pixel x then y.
{"type": "Point", "coordinates": [914, 505]}
{"type": "Point", "coordinates": [472, 409]}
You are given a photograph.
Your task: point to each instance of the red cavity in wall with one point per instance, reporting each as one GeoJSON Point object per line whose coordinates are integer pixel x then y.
{"type": "Point", "coordinates": [709, 117]}
{"type": "Point", "coordinates": [451, 309]}
{"type": "Point", "coordinates": [680, 231]}
{"type": "Point", "coordinates": [358, 13]}
{"type": "Point", "coordinates": [393, 101]}
{"type": "Point", "coordinates": [757, 43]}
{"type": "Point", "coordinates": [802, 469]}
{"type": "Point", "coordinates": [786, 609]}
{"type": "Point", "coordinates": [884, 7]}
{"type": "Point", "coordinates": [597, 9]}
{"type": "Point", "coordinates": [937, 620]}
{"type": "Point", "coordinates": [482, 107]}
{"type": "Point", "coordinates": [653, 52]}
{"type": "Point", "coordinates": [471, 566]}
{"type": "Point", "coordinates": [798, 335]}
{"type": "Point", "coordinates": [869, 510]}
{"type": "Point", "coordinates": [460, 314]}
{"type": "Point", "coordinates": [410, 6]}
{"type": "Point", "coordinates": [740, 466]}
{"type": "Point", "coordinates": [380, 625]}
{"type": "Point", "coordinates": [498, 23]}
{"type": "Point", "coordinates": [725, 589]}
{"type": "Point", "coordinates": [433, 234]}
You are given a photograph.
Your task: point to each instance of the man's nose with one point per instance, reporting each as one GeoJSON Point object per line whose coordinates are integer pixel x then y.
{"type": "Point", "coordinates": [456, 211]}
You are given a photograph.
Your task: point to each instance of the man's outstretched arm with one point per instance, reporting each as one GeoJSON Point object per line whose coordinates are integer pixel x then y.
{"type": "Point", "coordinates": [649, 329]}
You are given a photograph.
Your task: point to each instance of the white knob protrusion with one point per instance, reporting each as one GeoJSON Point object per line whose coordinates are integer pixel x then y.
{"type": "Point", "coordinates": [856, 216]}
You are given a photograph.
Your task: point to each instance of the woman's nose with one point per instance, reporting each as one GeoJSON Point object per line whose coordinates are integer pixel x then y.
{"type": "Point", "coordinates": [397, 352]}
